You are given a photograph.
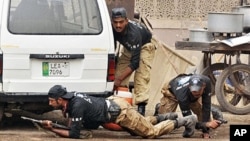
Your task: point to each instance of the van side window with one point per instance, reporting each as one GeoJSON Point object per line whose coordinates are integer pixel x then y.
{"type": "Point", "coordinates": [54, 17]}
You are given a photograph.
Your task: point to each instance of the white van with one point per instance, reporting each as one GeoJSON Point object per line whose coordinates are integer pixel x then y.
{"type": "Point", "coordinates": [48, 42]}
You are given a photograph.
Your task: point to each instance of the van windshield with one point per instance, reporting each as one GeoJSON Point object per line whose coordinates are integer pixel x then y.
{"type": "Point", "coordinates": [54, 17]}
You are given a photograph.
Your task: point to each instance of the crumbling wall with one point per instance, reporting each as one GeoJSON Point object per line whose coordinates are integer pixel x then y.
{"type": "Point", "coordinates": [179, 9]}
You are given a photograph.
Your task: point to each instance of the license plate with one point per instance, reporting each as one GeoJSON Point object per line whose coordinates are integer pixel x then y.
{"type": "Point", "coordinates": [55, 69]}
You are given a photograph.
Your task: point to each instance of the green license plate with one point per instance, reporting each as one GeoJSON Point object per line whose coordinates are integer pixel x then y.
{"type": "Point", "coordinates": [55, 69]}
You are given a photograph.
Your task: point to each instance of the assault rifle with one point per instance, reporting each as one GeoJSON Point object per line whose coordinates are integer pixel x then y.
{"type": "Point", "coordinates": [83, 134]}
{"type": "Point", "coordinates": [55, 125]}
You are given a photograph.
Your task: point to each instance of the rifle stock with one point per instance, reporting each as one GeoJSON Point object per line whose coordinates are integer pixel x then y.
{"type": "Point", "coordinates": [55, 125]}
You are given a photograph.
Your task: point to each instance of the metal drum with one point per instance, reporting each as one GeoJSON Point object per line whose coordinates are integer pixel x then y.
{"type": "Point", "coordinates": [225, 22]}
{"type": "Point", "coordinates": [200, 35]}
{"type": "Point", "coordinates": [246, 11]}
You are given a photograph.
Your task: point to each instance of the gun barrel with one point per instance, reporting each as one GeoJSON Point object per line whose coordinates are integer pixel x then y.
{"type": "Point", "coordinates": [31, 119]}
{"type": "Point", "coordinates": [223, 121]}
{"type": "Point", "coordinates": [40, 121]}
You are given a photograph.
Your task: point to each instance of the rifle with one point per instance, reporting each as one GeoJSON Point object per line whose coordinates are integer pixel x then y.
{"type": "Point", "coordinates": [55, 125]}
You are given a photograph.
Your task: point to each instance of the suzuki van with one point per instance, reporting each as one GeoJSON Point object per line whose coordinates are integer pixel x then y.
{"type": "Point", "coordinates": [49, 42]}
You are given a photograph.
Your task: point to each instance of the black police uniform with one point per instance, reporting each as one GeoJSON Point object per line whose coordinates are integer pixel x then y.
{"type": "Point", "coordinates": [180, 88]}
{"type": "Point", "coordinates": [134, 37]}
{"type": "Point", "coordinates": [87, 111]}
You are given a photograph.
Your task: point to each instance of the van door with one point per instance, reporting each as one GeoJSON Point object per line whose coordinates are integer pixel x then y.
{"type": "Point", "coordinates": [48, 42]}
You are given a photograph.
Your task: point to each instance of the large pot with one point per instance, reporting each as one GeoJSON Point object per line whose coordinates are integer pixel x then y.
{"type": "Point", "coordinates": [200, 35]}
{"type": "Point", "coordinates": [246, 11]}
{"type": "Point", "coordinates": [225, 22]}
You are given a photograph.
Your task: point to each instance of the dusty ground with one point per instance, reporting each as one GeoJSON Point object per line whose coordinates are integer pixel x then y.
{"type": "Point", "coordinates": [16, 129]}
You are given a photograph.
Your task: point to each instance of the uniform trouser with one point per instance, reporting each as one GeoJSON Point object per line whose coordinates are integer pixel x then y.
{"type": "Point", "coordinates": [169, 103]}
{"type": "Point", "coordinates": [146, 127]}
{"type": "Point", "coordinates": [141, 75]}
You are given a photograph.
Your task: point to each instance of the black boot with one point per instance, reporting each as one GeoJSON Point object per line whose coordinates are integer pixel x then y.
{"type": "Point", "coordinates": [157, 107]}
{"type": "Point", "coordinates": [189, 123]}
{"type": "Point", "coordinates": [141, 108]}
{"type": "Point", "coordinates": [167, 116]}
{"type": "Point", "coordinates": [217, 114]}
